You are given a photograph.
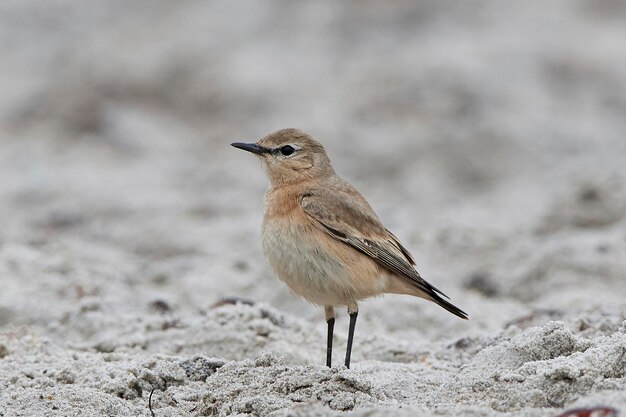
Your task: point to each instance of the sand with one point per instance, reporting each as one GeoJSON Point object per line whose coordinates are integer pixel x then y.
{"type": "Point", "coordinates": [488, 136]}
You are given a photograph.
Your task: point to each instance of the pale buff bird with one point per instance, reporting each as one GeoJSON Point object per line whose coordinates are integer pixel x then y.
{"type": "Point", "coordinates": [323, 239]}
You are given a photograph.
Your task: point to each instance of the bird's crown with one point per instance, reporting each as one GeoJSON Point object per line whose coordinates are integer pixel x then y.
{"type": "Point", "coordinates": [290, 137]}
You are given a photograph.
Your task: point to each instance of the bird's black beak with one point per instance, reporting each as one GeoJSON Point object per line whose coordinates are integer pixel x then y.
{"type": "Point", "coordinates": [251, 147]}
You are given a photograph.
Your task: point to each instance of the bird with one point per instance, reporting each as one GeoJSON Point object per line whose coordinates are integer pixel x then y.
{"type": "Point", "coordinates": [324, 240]}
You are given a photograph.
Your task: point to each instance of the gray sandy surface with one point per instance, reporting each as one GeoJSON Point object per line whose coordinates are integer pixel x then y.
{"type": "Point", "coordinates": [489, 136]}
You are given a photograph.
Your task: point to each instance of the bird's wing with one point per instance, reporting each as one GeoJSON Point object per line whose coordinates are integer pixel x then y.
{"type": "Point", "coordinates": [348, 218]}
{"type": "Point", "coordinates": [345, 215]}
{"type": "Point", "coordinates": [404, 250]}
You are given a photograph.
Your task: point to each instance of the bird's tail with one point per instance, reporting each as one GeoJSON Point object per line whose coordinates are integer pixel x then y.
{"type": "Point", "coordinates": [423, 289]}
{"type": "Point", "coordinates": [449, 306]}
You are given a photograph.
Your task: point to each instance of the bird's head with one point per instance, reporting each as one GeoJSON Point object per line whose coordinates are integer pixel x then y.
{"type": "Point", "coordinates": [290, 156]}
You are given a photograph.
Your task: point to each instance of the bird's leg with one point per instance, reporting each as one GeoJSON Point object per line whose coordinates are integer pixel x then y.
{"type": "Point", "coordinates": [353, 311]}
{"type": "Point", "coordinates": [330, 319]}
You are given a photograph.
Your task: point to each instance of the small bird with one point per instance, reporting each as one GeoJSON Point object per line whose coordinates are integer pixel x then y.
{"type": "Point", "coordinates": [322, 238]}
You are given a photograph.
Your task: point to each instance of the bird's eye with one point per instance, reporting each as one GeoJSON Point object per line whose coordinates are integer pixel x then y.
{"type": "Point", "coordinates": [287, 150]}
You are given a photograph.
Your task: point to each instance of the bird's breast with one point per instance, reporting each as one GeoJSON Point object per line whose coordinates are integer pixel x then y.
{"type": "Point", "coordinates": [316, 266]}
{"type": "Point", "coordinates": [298, 256]}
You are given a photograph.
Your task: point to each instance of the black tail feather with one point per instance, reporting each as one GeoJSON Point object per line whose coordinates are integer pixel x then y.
{"type": "Point", "coordinates": [449, 306]}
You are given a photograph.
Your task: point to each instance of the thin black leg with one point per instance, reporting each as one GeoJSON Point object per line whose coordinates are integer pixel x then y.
{"type": "Point", "coordinates": [329, 341]}
{"type": "Point", "coordinates": [350, 337]}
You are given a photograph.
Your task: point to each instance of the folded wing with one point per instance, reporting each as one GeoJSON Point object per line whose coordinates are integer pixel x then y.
{"type": "Point", "coordinates": [346, 216]}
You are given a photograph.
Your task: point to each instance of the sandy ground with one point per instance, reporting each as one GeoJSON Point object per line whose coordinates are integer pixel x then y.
{"type": "Point", "coordinates": [489, 136]}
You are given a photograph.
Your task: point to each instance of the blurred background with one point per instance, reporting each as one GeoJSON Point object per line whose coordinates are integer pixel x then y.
{"type": "Point", "coordinates": [489, 136]}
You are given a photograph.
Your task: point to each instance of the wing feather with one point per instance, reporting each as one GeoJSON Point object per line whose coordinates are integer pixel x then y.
{"type": "Point", "coordinates": [348, 218]}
